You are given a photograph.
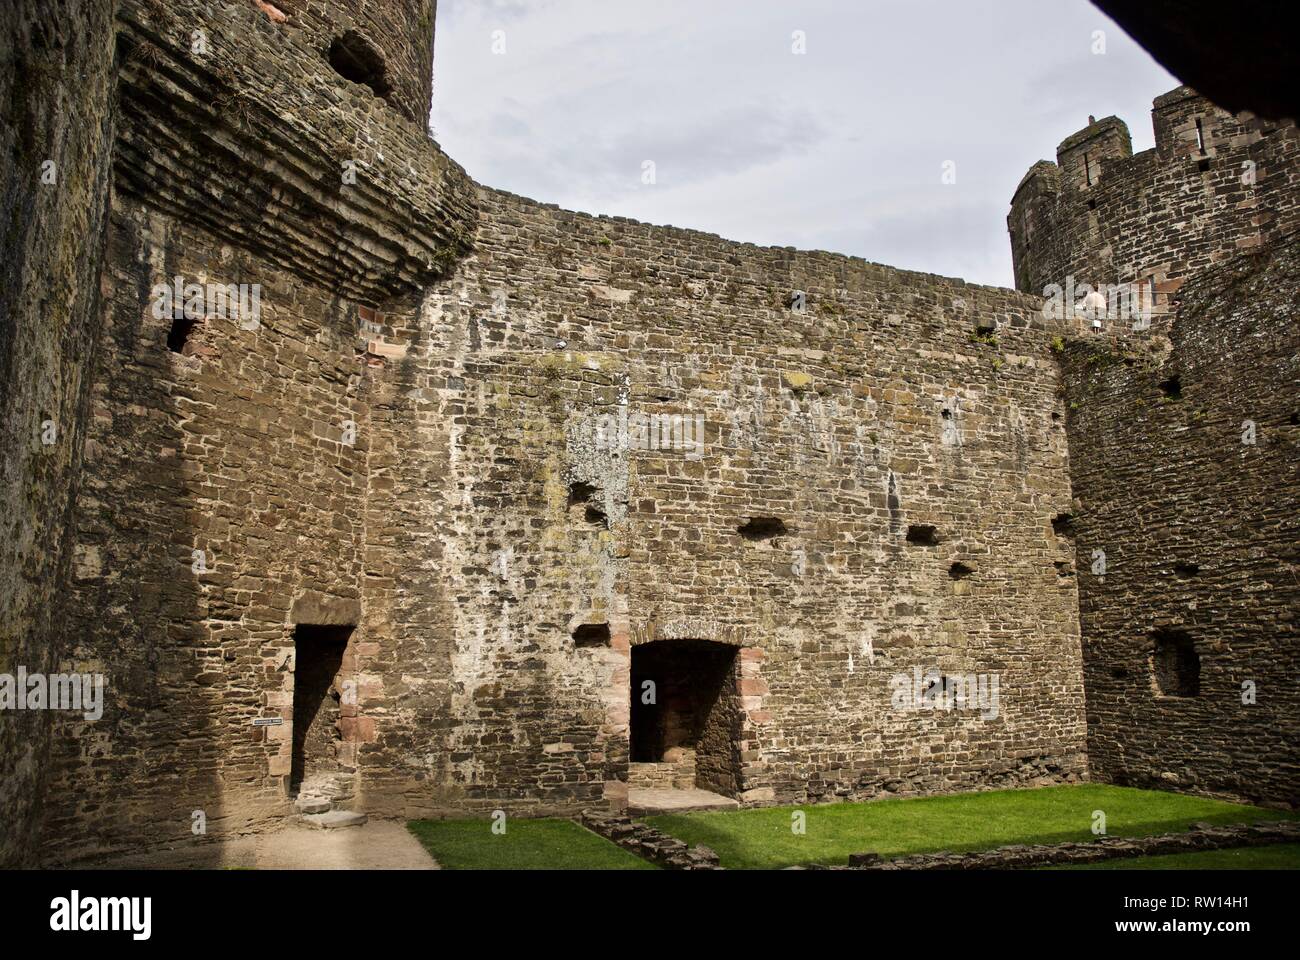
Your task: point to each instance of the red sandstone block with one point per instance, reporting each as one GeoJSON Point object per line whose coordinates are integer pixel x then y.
{"type": "Point", "coordinates": [751, 653]}
{"type": "Point", "coordinates": [379, 348]}
{"type": "Point", "coordinates": [358, 729]}
{"type": "Point", "coordinates": [273, 13]}
{"type": "Point", "coordinates": [753, 687]}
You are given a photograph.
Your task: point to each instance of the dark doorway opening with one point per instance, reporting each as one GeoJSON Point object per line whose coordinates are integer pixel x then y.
{"type": "Point", "coordinates": [686, 717]}
{"type": "Point", "coordinates": [317, 699]}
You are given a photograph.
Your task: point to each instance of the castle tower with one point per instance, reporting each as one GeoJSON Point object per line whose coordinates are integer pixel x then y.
{"type": "Point", "coordinates": [387, 47]}
{"type": "Point", "coordinates": [1213, 186]}
{"type": "Point", "coordinates": [1182, 462]}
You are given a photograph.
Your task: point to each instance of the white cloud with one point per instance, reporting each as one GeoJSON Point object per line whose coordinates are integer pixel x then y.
{"type": "Point", "coordinates": [841, 148]}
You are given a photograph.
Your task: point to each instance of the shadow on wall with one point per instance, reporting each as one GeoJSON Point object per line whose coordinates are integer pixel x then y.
{"type": "Point", "coordinates": [685, 707]}
{"type": "Point", "coordinates": [56, 132]}
{"type": "Point", "coordinates": [138, 614]}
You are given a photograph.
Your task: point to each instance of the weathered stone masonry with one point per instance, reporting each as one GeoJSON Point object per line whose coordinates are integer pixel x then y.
{"type": "Point", "coordinates": [56, 136]}
{"type": "Point", "coordinates": [1215, 185]}
{"type": "Point", "coordinates": [1183, 444]}
{"type": "Point", "coordinates": [404, 453]}
{"type": "Point", "coordinates": [476, 523]}
{"type": "Point", "coordinates": [875, 411]}
{"type": "Point", "coordinates": [233, 445]}
{"type": "Point", "coordinates": [1200, 532]}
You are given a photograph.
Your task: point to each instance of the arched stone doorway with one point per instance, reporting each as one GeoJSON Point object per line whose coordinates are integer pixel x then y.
{"type": "Point", "coordinates": [686, 716]}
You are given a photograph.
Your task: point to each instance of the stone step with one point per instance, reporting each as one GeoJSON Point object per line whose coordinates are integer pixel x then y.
{"type": "Point", "coordinates": [334, 786]}
{"type": "Point", "coordinates": [643, 801]}
{"type": "Point", "coordinates": [314, 805]}
{"type": "Point", "coordinates": [334, 820]}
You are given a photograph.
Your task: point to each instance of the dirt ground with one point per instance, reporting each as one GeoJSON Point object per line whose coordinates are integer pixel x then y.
{"type": "Point", "coordinates": [376, 845]}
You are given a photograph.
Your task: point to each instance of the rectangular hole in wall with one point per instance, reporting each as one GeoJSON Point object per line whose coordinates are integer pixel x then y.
{"type": "Point", "coordinates": [922, 535]}
{"type": "Point", "coordinates": [592, 635]}
{"type": "Point", "coordinates": [685, 716]}
{"type": "Point", "coordinates": [178, 337]}
{"type": "Point", "coordinates": [1175, 665]}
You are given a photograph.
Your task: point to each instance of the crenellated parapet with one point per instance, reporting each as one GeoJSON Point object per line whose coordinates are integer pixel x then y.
{"type": "Point", "coordinates": [1215, 185]}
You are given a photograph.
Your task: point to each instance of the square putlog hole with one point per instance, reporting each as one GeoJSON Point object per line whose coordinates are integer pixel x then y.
{"type": "Point", "coordinates": [592, 635]}
{"type": "Point", "coordinates": [922, 535]}
{"type": "Point", "coordinates": [762, 528]}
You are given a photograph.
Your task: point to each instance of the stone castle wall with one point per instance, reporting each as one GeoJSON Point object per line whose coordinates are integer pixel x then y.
{"type": "Point", "coordinates": [1186, 467]}
{"type": "Point", "coordinates": [386, 46]}
{"type": "Point", "coordinates": [476, 520]}
{"type": "Point", "coordinates": [235, 442]}
{"type": "Point", "coordinates": [1193, 613]}
{"type": "Point", "coordinates": [866, 473]}
{"type": "Point", "coordinates": [878, 409]}
{"type": "Point", "coordinates": [56, 136]}
{"type": "Point", "coordinates": [448, 527]}
{"type": "Point", "coordinates": [1104, 215]}
{"type": "Point", "coordinates": [233, 449]}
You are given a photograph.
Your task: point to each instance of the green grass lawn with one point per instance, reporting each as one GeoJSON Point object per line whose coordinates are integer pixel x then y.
{"type": "Point", "coordinates": [763, 839]}
{"type": "Point", "coordinates": [526, 845]}
{"type": "Point", "coordinates": [1280, 856]}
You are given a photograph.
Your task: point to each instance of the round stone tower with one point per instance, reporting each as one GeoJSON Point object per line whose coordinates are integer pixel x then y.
{"type": "Point", "coordinates": [387, 46]}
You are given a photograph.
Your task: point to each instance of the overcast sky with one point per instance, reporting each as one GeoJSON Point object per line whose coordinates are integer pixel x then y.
{"type": "Point", "coordinates": [840, 148]}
